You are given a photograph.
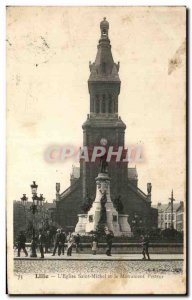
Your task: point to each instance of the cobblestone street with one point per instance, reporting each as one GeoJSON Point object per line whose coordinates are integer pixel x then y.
{"type": "Point", "coordinates": [160, 267]}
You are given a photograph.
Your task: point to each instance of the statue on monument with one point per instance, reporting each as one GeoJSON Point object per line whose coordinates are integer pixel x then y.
{"type": "Point", "coordinates": [87, 203]}
{"type": "Point", "coordinates": [103, 164]}
{"type": "Point", "coordinates": [118, 204]}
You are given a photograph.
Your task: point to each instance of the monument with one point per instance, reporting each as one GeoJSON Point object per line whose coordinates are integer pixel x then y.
{"type": "Point", "coordinates": [102, 213]}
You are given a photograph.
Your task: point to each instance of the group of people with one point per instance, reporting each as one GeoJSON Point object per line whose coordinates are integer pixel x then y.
{"type": "Point", "coordinates": [43, 241]}
{"type": "Point", "coordinates": [109, 240]}
{"type": "Point", "coordinates": [61, 238]}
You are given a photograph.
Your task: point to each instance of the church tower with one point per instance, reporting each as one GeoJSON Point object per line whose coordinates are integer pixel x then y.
{"type": "Point", "coordinates": [104, 83]}
{"type": "Point", "coordinates": [103, 125]}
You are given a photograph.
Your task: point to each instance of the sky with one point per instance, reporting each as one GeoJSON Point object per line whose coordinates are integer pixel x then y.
{"type": "Point", "coordinates": [48, 54]}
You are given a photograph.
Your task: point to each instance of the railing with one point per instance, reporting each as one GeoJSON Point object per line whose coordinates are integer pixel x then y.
{"type": "Point", "coordinates": [129, 248]}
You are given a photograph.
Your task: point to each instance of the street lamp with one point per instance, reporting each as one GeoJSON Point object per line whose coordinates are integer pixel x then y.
{"type": "Point", "coordinates": [24, 199]}
{"type": "Point", "coordinates": [24, 203]}
{"type": "Point", "coordinates": [40, 202]}
{"type": "Point", "coordinates": [41, 199]}
{"type": "Point", "coordinates": [34, 187]}
{"type": "Point", "coordinates": [37, 201]}
{"type": "Point", "coordinates": [33, 209]}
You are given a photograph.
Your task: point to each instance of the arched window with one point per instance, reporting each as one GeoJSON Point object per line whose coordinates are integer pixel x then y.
{"type": "Point", "coordinates": [104, 67]}
{"type": "Point", "coordinates": [110, 104]}
{"type": "Point", "coordinates": [97, 104]}
{"type": "Point", "coordinates": [103, 104]}
{"type": "Point", "coordinates": [104, 32]}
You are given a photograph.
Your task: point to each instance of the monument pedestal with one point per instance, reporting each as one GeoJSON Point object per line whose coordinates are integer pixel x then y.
{"type": "Point", "coordinates": [102, 212]}
{"type": "Point", "coordinates": [124, 225]}
{"type": "Point", "coordinates": [82, 220]}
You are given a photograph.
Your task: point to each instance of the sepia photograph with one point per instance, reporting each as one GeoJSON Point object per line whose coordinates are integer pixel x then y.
{"type": "Point", "coordinates": [96, 150]}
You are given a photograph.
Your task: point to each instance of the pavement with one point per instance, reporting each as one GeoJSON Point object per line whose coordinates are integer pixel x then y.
{"type": "Point", "coordinates": [103, 257]}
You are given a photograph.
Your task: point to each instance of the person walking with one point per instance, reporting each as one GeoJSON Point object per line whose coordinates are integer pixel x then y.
{"type": "Point", "coordinates": [41, 241]}
{"type": "Point", "coordinates": [57, 243]}
{"type": "Point", "coordinates": [62, 241]}
{"type": "Point", "coordinates": [109, 240]}
{"type": "Point", "coordinates": [145, 246]}
{"type": "Point", "coordinates": [94, 245]}
{"type": "Point", "coordinates": [70, 243]}
{"type": "Point", "coordinates": [21, 240]}
{"type": "Point", "coordinates": [77, 242]}
{"type": "Point", "coordinates": [47, 241]}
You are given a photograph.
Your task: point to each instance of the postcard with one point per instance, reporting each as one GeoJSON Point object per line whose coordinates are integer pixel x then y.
{"type": "Point", "coordinates": [96, 150]}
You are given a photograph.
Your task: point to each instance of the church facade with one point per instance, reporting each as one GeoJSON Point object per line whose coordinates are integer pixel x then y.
{"type": "Point", "coordinates": [105, 127]}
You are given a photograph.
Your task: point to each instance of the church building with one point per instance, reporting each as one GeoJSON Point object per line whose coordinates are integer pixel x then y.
{"type": "Point", "coordinates": [105, 127]}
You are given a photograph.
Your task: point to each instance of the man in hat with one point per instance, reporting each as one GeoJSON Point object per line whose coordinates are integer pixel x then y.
{"type": "Point", "coordinates": [41, 241]}
{"type": "Point", "coordinates": [62, 242]}
{"type": "Point", "coordinates": [57, 243]}
{"type": "Point", "coordinates": [109, 240]}
{"type": "Point", "coordinates": [21, 240]}
{"type": "Point", "coordinates": [145, 245]}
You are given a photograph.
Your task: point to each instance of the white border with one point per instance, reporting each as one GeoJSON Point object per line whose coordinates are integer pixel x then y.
{"type": "Point", "coordinates": [5, 3]}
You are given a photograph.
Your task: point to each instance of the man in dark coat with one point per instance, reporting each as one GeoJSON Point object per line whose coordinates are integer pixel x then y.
{"type": "Point", "coordinates": [47, 241]}
{"type": "Point", "coordinates": [41, 241]}
{"type": "Point", "coordinates": [21, 240]}
{"type": "Point", "coordinates": [62, 242]}
{"type": "Point", "coordinates": [145, 245]}
{"type": "Point", "coordinates": [109, 240]}
{"type": "Point", "coordinates": [57, 243]}
{"type": "Point", "coordinates": [77, 242]}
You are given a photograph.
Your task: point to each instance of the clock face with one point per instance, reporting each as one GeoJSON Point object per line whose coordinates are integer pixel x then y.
{"type": "Point", "coordinates": [103, 141]}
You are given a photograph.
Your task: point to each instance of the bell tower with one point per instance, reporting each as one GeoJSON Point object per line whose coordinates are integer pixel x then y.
{"type": "Point", "coordinates": [104, 83]}
{"type": "Point", "coordinates": [103, 125]}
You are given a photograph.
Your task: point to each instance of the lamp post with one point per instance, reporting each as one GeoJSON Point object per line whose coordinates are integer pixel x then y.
{"type": "Point", "coordinates": [24, 202]}
{"type": "Point", "coordinates": [37, 201]}
{"type": "Point", "coordinates": [33, 210]}
{"type": "Point", "coordinates": [41, 199]}
{"type": "Point", "coordinates": [34, 187]}
{"type": "Point", "coordinates": [40, 203]}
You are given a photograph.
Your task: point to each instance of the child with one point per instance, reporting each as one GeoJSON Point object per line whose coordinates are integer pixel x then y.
{"type": "Point", "coordinates": [94, 245]}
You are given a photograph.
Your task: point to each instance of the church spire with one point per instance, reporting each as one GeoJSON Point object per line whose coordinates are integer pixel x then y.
{"type": "Point", "coordinates": [104, 67]}
{"type": "Point", "coordinates": [104, 82]}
